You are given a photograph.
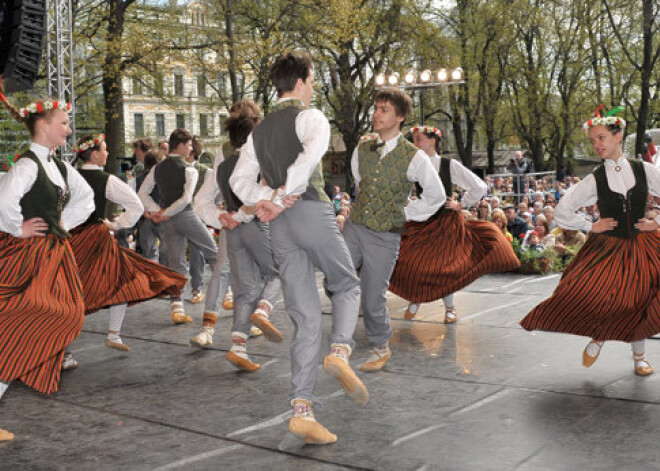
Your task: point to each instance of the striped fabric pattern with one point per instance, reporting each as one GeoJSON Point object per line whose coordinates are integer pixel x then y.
{"type": "Point", "coordinates": [111, 274]}
{"type": "Point", "coordinates": [41, 309]}
{"type": "Point", "coordinates": [608, 292]}
{"type": "Point", "coordinates": [440, 256]}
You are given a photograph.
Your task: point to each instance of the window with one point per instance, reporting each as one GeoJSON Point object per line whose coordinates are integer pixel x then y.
{"type": "Point", "coordinates": [158, 85]}
{"type": "Point", "coordinates": [222, 120]}
{"type": "Point", "coordinates": [137, 86]}
{"type": "Point", "coordinates": [138, 124]}
{"type": "Point", "coordinates": [160, 124]}
{"type": "Point", "coordinates": [181, 121]}
{"type": "Point", "coordinates": [222, 86]}
{"type": "Point", "coordinates": [178, 84]}
{"type": "Point", "coordinates": [201, 86]}
{"type": "Point", "coordinates": [203, 125]}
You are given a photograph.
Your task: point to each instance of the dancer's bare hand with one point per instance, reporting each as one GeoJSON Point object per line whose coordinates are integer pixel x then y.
{"type": "Point", "coordinates": [108, 225]}
{"type": "Point", "coordinates": [453, 205]}
{"type": "Point", "coordinates": [647, 225]}
{"type": "Point", "coordinates": [341, 220]}
{"type": "Point", "coordinates": [35, 227]}
{"type": "Point", "coordinates": [602, 225]}
{"type": "Point", "coordinates": [289, 200]}
{"type": "Point", "coordinates": [266, 210]}
{"type": "Point", "coordinates": [228, 221]}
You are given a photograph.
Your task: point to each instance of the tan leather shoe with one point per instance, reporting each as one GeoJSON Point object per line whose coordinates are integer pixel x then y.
{"type": "Point", "coordinates": [310, 431]}
{"type": "Point", "coordinates": [340, 369]}
{"type": "Point", "coordinates": [242, 363]}
{"type": "Point", "coordinates": [591, 352]}
{"type": "Point", "coordinates": [6, 436]}
{"type": "Point", "coordinates": [642, 367]}
{"type": "Point", "coordinates": [255, 331]}
{"type": "Point", "coordinates": [409, 315]}
{"type": "Point", "coordinates": [203, 339]}
{"type": "Point", "coordinates": [196, 297]}
{"type": "Point", "coordinates": [450, 316]}
{"type": "Point", "coordinates": [269, 330]}
{"type": "Point", "coordinates": [119, 346]}
{"type": "Point", "coordinates": [228, 302]}
{"type": "Point", "coordinates": [181, 318]}
{"type": "Point", "coordinates": [376, 361]}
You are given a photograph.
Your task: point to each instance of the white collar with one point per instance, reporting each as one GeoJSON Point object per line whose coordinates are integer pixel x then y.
{"type": "Point", "coordinates": [612, 163]}
{"type": "Point", "coordinates": [40, 151]}
{"type": "Point", "coordinates": [89, 166]}
{"type": "Point", "coordinates": [390, 143]}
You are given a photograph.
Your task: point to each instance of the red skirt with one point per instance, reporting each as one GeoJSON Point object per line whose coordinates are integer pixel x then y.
{"type": "Point", "coordinates": [608, 292]}
{"type": "Point", "coordinates": [111, 274]}
{"type": "Point", "coordinates": [443, 255]}
{"type": "Point", "coordinates": [41, 309]}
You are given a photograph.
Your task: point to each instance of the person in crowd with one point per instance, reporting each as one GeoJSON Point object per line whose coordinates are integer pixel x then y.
{"type": "Point", "coordinates": [610, 290]}
{"type": "Point", "coordinates": [149, 233]}
{"type": "Point", "coordinates": [527, 217]}
{"type": "Point", "coordinates": [494, 203]}
{"type": "Point", "coordinates": [533, 243]}
{"type": "Point", "coordinates": [484, 211]}
{"type": "Point", "coordinates": [549, 213]}
{"type": "Point", "coordinates": [519, 166]}
{"type": "Point", "coordinates": [499, 219]}
{"type": "Point", "coordinates": [515, 225]}
{"type": "Point", "coordinates": [568, 240]}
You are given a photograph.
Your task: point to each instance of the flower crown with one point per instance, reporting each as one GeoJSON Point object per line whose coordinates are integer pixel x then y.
{"type": "Point", "coordinates": [426, 130]}
{"type": "Point", "coordinates": [608, 120]}
{"type": "Point", "coordinates": [40, 106]}
{"type": "Point", "coordinates": [95, 141]}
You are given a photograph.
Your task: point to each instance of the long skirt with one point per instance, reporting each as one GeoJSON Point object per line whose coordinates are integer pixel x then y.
{"type": "Point", "coordinates": [41, 309]}
{"type": "Point", "coordinates": [440, 256]}
{"type": "Point", "coordinates": [608, 292]}
{"type": "Point", "coordinates": [111, 274]}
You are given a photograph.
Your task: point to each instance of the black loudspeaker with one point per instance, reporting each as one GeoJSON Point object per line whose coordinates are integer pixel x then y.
{"type": "Point", "coordinates": [22, 30]}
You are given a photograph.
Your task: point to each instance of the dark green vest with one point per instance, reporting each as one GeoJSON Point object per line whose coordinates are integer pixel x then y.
{"type": "Point", "coordinates": [98, 180]}
{"type": "Point", "coordinates": [170, 177]}
{"type": "Point", "coordinates": [277, 147]}
{"type": "Point", "coordinates": [384, 186]}
{"type": "Point", "coordinates": [447, 184]}
{"type": "Point", "coordinates": [626, 210]}
{"type": "Point", "coordinates": [45, 199]}
{"type": "Point", "coordinates": [201, 173]}
{"type": "Point", "coordinates": [225, 169]}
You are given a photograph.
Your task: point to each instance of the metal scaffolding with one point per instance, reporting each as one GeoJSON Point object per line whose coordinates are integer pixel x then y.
{"type": "Point", "coordinates": [59, 57]}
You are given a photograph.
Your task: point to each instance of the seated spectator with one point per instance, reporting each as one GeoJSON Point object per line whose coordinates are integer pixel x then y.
{"type": "Point", "coordinates": [515, 224]}
{"type": "Point", "coordinates": [569, 238]}
{"type": "Point", "coordinates": [522, 207]}
{"type": "Point", "coordinates": [550, 200]}
{"type": "Point", "coordinates": [537, 209]}
{"type": "Point", "coordinates": [494, 203]}
{"type": "Point", "coordinates": [533, 243]}
{"type": "Point", "coordinates": [483, 211]}
{"type": "Point", "coordinates": [498, 218]}
{"type": "Point", "coordinates": [541, 227]}
{"type": "Point", "coordinates": [538, 196]}
{"type": "Point", "coordinates": [527, 217]}
{"type": "Point", "coordinates": [549, 213]}
{"type": "Point", "coordinates": [474, 213]}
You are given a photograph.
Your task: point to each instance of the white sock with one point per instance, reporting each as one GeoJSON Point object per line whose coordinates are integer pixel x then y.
{"type": "Point", "coordinates": [114, 338]}
{"type": "Point", "coordinates": [413, 308]}
{"type": "Point", "coordinates": [448, 301]}
{"type": "Point", "coordinates": [638, 347]}
{"type": "Point", "coordinates": [117, 313]}
{"type": "Point", "coordinates": [3, 388]}
{"type": "Point", "coordinates": [239, 344]}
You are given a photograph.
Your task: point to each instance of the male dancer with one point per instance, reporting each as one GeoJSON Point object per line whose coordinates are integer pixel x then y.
{"type": "Point", "coordinates": [383, 169]}
{"type": "Point", "coordinates": [286, 150]}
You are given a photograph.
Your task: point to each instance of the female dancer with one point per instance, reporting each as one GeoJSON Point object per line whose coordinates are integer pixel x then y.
{"type": "Point", "coordinates": [41, 303]}
{"type": "Point", "coordinates": [610, 289]}
{"type": "Point", "coordinates": [446, 253]}
{"type": "Point", "coordinates": [113, 276]}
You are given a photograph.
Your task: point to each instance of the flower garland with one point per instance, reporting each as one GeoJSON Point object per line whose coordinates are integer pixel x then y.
{"type": "Point", "coordinates": [371, 136]}
{"type": "Point", "coordinates": [41, 106]}
{"type": "Point", "coordinates": [426, 130]}
{"type": "Point", "coordinates": [96, 140]}
{"type": "Point", "coordinates": [608, 120]}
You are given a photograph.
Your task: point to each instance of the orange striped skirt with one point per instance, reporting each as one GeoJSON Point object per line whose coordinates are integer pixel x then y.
{"type": "Point", "coordinates": [443, 255]}
{"type": "Point", "coordinates": [41, 309]}
{"type": "Point", "coordinates": [608, 292]}
{"type": "Point", "coordinates": [111, 274]}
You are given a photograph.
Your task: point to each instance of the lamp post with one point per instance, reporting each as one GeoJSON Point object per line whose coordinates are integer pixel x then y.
{"type": "Point", "coordinates": [421, 80]}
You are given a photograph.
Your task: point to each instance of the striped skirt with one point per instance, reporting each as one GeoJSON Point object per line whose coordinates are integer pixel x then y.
{"type": "Point", "coordinates": [608, 292]}
{"type": "Point", "coordinates": [443, 255]}
{"type": "Point", "coordinates": [111, 274]}
{"type": "Point", "coordinates": [41, 309]}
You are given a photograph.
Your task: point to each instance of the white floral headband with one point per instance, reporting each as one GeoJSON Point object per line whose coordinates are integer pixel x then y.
{"type": "Point", "coordinates": [96, 140]}
{"type": "Point", "coordinates": [41, 106]}
{"type": "Point", "coordinates": [426, 130]}
{"type": "Point", "coordinates": [608, 120]}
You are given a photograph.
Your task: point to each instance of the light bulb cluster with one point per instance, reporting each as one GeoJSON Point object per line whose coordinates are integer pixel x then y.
{"type": "Point", "coordinates": [420, 79]}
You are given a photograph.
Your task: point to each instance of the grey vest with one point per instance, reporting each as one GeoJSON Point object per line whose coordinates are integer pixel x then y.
{"type": "Point", "coordinates": [277, 147]}
{"type": "Point", "coordinates": [170, 177]}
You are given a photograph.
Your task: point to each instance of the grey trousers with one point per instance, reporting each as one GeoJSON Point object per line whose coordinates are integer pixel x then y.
{"type": "Point", "coordinates": [304, 237]}
{"type": "Point", "coordinates": [251, 266]}
{"type": "Point", "coordinates": [374, 254]}
{"type": "Point", "coordinates": [196, 267]}
{"type": "Point", "coordinates": [149, 233]}
{"type": "Point", "coordinates": [219, 282]}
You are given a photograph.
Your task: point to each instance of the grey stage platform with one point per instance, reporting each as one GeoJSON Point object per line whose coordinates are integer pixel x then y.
{"type": "Point", "coordinates": [483, 394]}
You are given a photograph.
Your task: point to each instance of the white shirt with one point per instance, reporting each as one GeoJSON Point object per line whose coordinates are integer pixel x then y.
{"type": "Point", "coordinates": [209, 196]}
{"type": "Point", "coordinates": [313, 131]}
{"type": "Point", "coordinates": [122, 194]}
{"type": "Point", "coordinates": [191, 176]}
{"type": "Point", "coordinates": [475, 188]}
{"type": "Point", "coordinates": [585, 193]}
{"type": "Point", "coordinates": [420, 170]}
{"type": "Point", "coordinates": [20, 179]}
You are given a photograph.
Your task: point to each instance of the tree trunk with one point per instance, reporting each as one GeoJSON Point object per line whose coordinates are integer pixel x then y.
{"type": "Point", "coordinates": [647, 66]}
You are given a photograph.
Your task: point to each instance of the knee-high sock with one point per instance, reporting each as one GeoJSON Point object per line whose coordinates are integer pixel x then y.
{"type": "Point", "coordinates": [448, 300]}
{"type": "Point", "coordinates": [638, 347]}
{"type": "Point", "coordinates": [117, 313]}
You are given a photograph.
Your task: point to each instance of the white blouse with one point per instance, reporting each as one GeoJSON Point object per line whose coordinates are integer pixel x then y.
{"type": "Point", "coordinates": [20, 179]}
{"type": "Point", "coordinates": [475, 188]}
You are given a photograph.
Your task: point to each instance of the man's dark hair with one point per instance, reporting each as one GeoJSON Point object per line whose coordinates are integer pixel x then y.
{"type": "Point", "coordinates": [239, 128]}
{"type": "Point", "coordinates": [287, 69]}
{"type": "Point", "coordinates": [144, 144]}
{"type": "Point", "coordinates": [177, 137]}
{"type": "Point", "coordinates": [399, 99]}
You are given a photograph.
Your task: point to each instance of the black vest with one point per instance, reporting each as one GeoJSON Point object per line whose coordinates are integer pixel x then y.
{"type": "Point", "coordinates": [626, 210]}
{"type": "Point", "coordinates": [445, 178]}
{"type": "Point", "coordinates": [225, 169]}
{"type": "Point", "coordinates": [45, 199]}
{"type": "Point", "coordinates": [98, 180]}
{"type": "Point", "coordinates": [170, 176]}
